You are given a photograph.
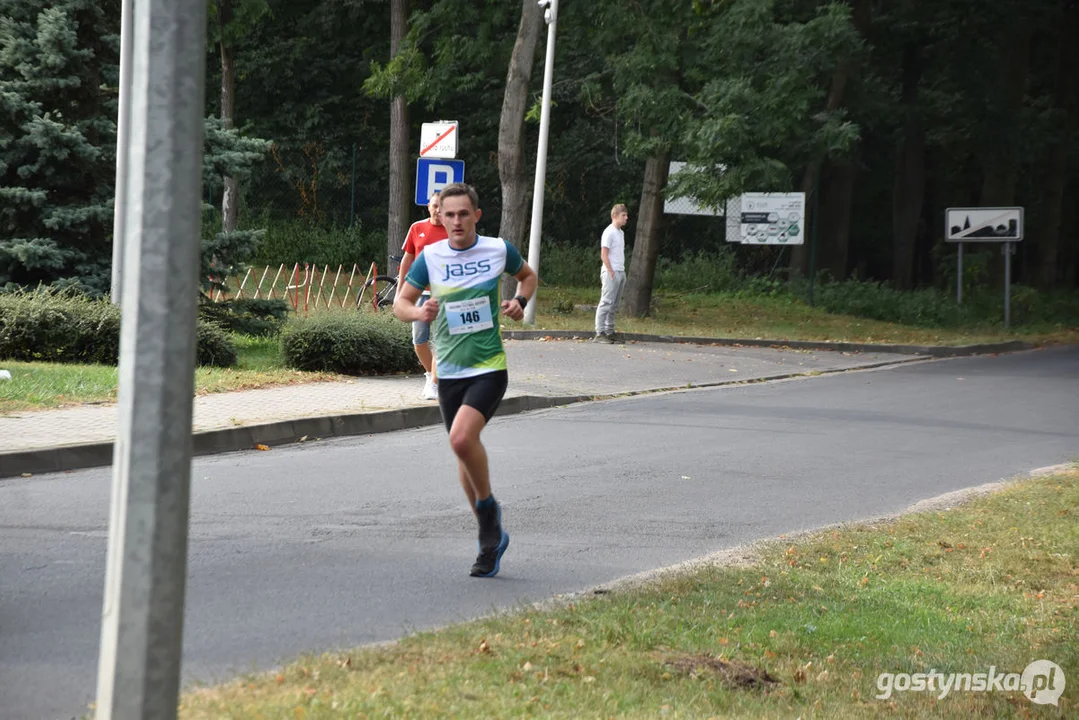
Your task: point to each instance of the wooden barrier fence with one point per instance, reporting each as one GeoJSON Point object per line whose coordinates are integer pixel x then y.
{"type": "Point", "coordinates": [306, 287]}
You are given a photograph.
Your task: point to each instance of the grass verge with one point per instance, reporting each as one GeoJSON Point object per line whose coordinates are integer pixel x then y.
{"type": "Point", "coordinates": [47, 385]}
{"type": "Point", "coordinates": [805, 630]}
{"type": "Point", "coordinates": [39, 386]}
{"type": "Point", "coordinates": [773, 318]}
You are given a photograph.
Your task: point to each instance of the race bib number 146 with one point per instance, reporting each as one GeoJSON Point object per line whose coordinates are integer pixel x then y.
{"type": "Point", "coordinates": [469, 316]}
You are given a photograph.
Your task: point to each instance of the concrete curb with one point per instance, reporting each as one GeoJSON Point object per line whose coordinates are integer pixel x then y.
{"type": "Point", "coordinates": [286, 432]}
{"type": "Point", "coordinates": [940, 351]}
{"type": "Point", "coordinates": [80, 456]}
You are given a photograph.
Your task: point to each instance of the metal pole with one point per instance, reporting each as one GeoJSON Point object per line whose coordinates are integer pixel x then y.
{"type": "Point", "coordinates": [1007, 284]}
{"type": "Point", "coordinates": [142, 616]}
{"type": "Point", "coordinates": [122, 140]}
{"type": "Point", "coordinates": [959, 278]}
{"type": "Point", "coordinates": [551, 16]}
{"type": "Point", "coordinates": [813, 235]}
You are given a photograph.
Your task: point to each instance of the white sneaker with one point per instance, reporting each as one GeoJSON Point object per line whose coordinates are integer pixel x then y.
{"type": "Point", "coordinates": [430, 388]}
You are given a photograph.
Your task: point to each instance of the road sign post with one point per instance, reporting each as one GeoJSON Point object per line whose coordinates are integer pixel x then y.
{"type": "Point", "coordinates": [123, 114]}
{"type": "Point", "coordinates": [535, 232]}
{"type": "Point", "coordinates": [143, 610]}
{"type": "Point", "coordinates": [959, 277]}
{"type": "Point", "coordinates": [432, 175]}
{"type": "Point", "coordinates": [439, 139]}
{"type": "Point", "coordinates": [985, 224]}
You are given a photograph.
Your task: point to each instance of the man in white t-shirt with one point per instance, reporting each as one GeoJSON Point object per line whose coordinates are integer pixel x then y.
{"type": "Point", "coordinates": [613, 273]}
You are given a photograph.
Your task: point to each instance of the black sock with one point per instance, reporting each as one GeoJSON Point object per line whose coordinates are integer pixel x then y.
{"type": "Point", "coordinates": [487, 513]}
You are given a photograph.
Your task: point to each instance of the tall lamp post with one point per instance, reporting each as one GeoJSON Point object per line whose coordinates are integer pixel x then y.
{"type": "Point", "coordinates": [550, 14]}
{"type": "Point", "coordinates": [123, 139]}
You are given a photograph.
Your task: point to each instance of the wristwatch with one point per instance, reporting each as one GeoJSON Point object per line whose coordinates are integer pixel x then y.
{"type": "Point", "coordinates": [522, 300]}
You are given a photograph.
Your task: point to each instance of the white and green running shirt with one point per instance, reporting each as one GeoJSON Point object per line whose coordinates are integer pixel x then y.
{"type": "Point", "coordinates": [466, 283]}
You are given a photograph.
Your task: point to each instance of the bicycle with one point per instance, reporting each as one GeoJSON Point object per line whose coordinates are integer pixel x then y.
{"type": "Point", "coordinates": [382, 287]}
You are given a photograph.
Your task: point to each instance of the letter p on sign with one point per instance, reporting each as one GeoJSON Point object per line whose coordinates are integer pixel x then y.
{"type": "Point", "coordinates": [434, 174]}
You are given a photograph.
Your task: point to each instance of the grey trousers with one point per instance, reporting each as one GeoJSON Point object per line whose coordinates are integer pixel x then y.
{"type": "Point", "coordinates": [609, 297]}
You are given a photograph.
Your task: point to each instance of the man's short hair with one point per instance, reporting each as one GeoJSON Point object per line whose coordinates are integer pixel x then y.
{"type": "Point", "coordinates": [618, 209]}
{"type": "Point", "coordinates": [455, 189]}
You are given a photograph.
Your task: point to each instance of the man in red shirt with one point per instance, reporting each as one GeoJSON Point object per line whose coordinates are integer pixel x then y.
{"type": "Point", "coordinates": [420, 235]}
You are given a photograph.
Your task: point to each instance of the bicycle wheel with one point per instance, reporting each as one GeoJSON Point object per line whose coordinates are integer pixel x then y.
{"type": "Point", "coordinates": [382, 289]}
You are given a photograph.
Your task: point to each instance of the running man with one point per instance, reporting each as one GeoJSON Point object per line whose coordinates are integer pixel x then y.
{"type": "Point", "coordinates": [464, 273]}
{"type": "Point", "coordinates": [420, 235]}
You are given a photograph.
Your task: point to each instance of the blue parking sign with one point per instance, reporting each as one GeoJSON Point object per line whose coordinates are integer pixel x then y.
{"type": "Point", "coordinates": [433, 174]}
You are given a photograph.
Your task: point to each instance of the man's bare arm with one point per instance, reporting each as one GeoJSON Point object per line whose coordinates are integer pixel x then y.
{"type": "Point", "coordinates": [526, 287]}
{"type": "Point", "coordinates": [402, 273]}
{"type": "Point", "coordinates": [404, 305]}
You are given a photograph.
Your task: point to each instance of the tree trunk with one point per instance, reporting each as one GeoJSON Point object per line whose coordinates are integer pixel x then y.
{"type": "Point", "coordinates": [637, 298]}
{"type": "Point", "coordinates": [799, 264]}
{"type": "Point", "coordinates": [1056, 175]}
{"type": "Point", "coordinates": [397, 214]}
{"type": "Point", "coordinates": [838, 199]}
{"type": "Point", "coordinates": [861, 18]}
{"type": "Point", "coordinates": [511, 146]}
{"type": "Point", "coordinates": [1001, 166]}
{"type": "Point", "coordinates": [909, 188]}
{"type": "Point", "coordinates": [230, 196]}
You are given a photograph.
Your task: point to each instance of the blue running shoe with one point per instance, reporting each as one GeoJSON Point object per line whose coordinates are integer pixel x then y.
{"type": "Point", "coordinates": [487, 561]}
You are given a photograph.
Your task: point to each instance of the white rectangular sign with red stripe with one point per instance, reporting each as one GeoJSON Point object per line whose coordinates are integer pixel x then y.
{"type": "Point", "coordinates": [438, 139]}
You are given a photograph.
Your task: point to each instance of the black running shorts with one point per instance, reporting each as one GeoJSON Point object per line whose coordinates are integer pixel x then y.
{"type": "Point", "coordinates": [482, 392]}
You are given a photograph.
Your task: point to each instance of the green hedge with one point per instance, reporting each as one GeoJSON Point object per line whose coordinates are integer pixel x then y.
{"type": "Point", "coordinates": [47, 325]}
{"type": "Point", "coordinates": [257, 318]}
{"type": "Point", "coordinates": [214, 346]}
{"type": "Point", "coordinates": [349, 342]}
{"type": "Point", "coordinates": [932, 307]}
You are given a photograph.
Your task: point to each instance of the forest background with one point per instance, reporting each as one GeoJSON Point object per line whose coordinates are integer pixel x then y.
{"type": "Point", "coordinates": [884, 112]}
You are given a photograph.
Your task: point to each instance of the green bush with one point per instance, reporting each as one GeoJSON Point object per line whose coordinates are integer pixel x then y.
{"type": "Point", "coordinates": [255, 317]}
{"type": "Point", "coordinates": [711, 271]}
{"type": "Point", "coordinates": [215, 348]}
{"type": "Point", "coordinates": [49, 325]}
{"type": "Point", "coordinates": [349, 342]}
{"type": "Point", "coordinates": [717, 270]}
{"type": "Point", "coordinates": [931, 307]}
{"type": "Point", "coordinates": [1031, 306]}
{"type": "Point", "coordinates": [568, 265]}
{"type": "Point", "coordinates": [927, 307]}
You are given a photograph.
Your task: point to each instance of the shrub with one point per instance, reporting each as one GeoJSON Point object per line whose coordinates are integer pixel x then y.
{"type": "Point", "coordinates": [96, 336]}
{"type": "Point", "coordinates": [569, 266]}
{"type": "Point", "coordinates": [349, 342]}
{"type": "Point", "coordinates": [40, 325]}
{"type": "Point", "coordinates": [711, 271]}
{"type": "Point", "coordinates": [930, 307]}
{"type": "Point", "coordinates": [877, 301]}
{"type": "Point", "coordinates": [254, 317]}
{"type": "Point", "coordinates": [214, 346]}
{"type": "Point", "coordinates": [49, 325]}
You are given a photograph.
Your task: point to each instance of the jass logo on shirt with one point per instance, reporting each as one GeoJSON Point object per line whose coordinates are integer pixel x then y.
{"type": "Point", "coordinates": [457, 270]}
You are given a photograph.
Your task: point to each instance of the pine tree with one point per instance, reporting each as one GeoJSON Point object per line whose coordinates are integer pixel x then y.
{"type": "Point", "coordinates": [227, 154]}
{"type": "Point", "coordinates": [58, 77]}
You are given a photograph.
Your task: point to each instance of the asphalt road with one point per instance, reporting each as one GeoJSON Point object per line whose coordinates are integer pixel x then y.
{"type": "Point", "coordinates": [339, 543]}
